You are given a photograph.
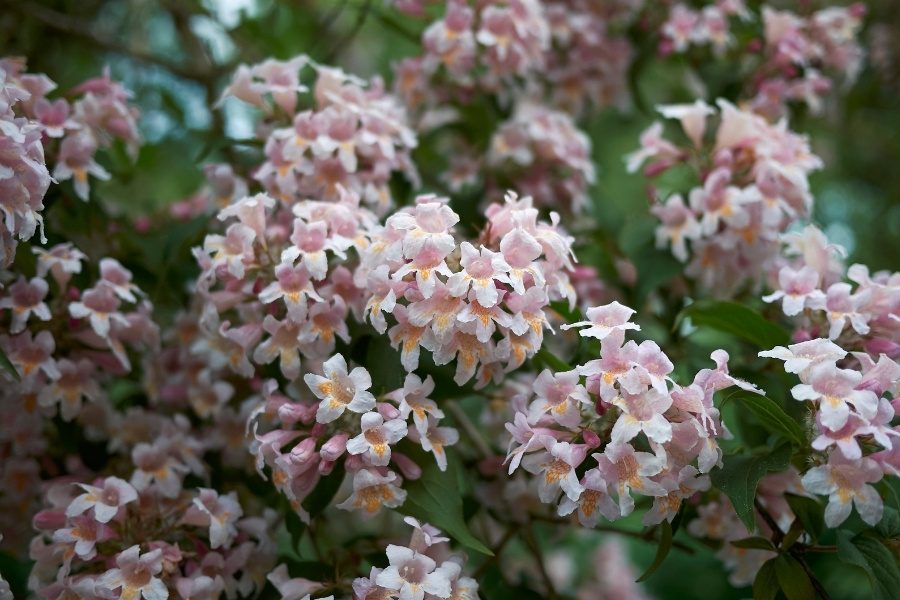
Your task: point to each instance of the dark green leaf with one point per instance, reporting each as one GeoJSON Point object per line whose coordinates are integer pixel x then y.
{"type": "Point", "coordinates": [809, 512]}
{"type": "Point", "coordinates": [875, 559]}
{"type": "Point", "coordinates": [765, 586]}
{"type": "Point", "coordinates": [383, 363]}
{"type": "Point", "coordinates": [435, 497]}
{"type": "Point", "coordinates": [7, 366]}
{"type": "Point", "coordinates": [740, 475]}
{"type": "Point", "coordinates": [320, 498]}
{"type": "Point", "coordinates": [792, 579]}
{"type": "Point", "coordinates": [771, 416]}
{"type": "Point", "coordinates": [889, 526]}
{"type": "Point", "coordinates": [739, 320]}
{"type": "Point", "coordinates": [754, 543]}
{"type": "Point", "coordinates": [662, 551]}
{"type": "Point", "coordinates": [555, 363]}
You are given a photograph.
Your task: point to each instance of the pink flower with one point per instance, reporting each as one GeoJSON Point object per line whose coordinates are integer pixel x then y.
{"type": "Point", "coordinates": [219, 512]}
{"type": "Point", "coordinates": [26, 298]}
{"type": "Point", "coordinates": [653, 145]}
{"type": "Point", "coordinates": [371, 491]}
{"type": "Point", "coordinates": [426, 265]}
{"type": "Point", "coordinates": [283, 342]}
{"type": "Point", "coordinates": [593, 502]}
{"type": "Point", "coordinates": [480, 271]}
{"type": "Point", "coordinates": [76, 381]}
{"type": "Point", "coordinates": [294, 286]}
{"type": "Point", "coordinates": [412, 575]}
{"type": "Point", "coordinates": [801, 357]}
{"type": "Point", "coordinates": [692, 117]}
{"type": "Point", "coordinates": [559, 394]}
{"type": "Point", "coordinates": [799, 290]}
{"type": "Point", "coordinates": [101, 306]}
{"type": "Point", "coordinates": [628, 470]}
{"type": "Point", "coordinates": [520, 251]}
{"type": "Point", "coordinates": [84, 534]}
{"type": "Point", "coordinates": [846, 482]}
{"type": "Point", "coordinates": [106, 500]}
{"type": "Point", "coordinates": [603, 320]}
{"type": "Point", "coordinates": [117, 277]}
{"type": "Point", "coordinates": [135, 575]}
{"type": "Point", "coordinates": [155, 466]}
{"type": "Point", "coordinates": [340, 391]}
{"type": "Point", "coordinates": [234, 250]}
{"type": "Point", "coordinates": [434, 439]}
{"type": "Point", "coordinates": [291, 588]}
{"type": "Point", "coordinates": [413, 399]}
{"type": "Point", "coordinates": [76, 161]}
{"type": "Point", "coordinates": [557, 470]}
{"type": "Point", "coordinates": [427, 223]}
{"type": "Point", "coordinates": [310, 241]}
{"type": "Point", "coordinates": [376, 438]}
{"type": "Point", "coordinates": [678, 224]}
{"type": "Point", "coordinates": [834, 389]}
{"type": "Point", "coordinates": [642, 412]}
{"type": "Point", "coordinates": [842, 307]}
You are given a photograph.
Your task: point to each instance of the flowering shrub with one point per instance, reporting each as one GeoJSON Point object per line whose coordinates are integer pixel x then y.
{"type": "Point", "coordinates": [407, 300]}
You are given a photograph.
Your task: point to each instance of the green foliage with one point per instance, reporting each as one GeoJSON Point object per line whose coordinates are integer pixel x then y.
{"type": "Point", "coordinates": [7, 366]}
{"type": "Point", "coordinates": [436, 498]}
{"type": "Point", "coordinates": [771, 416]}
{"type": "Point", "coordinates": [736, 319]}
{"type": "Point", "coordinates": [662, 550]}
{"type": "Point", "coordinates": [809, 512]}
{"type": "Point", "coordinates": [866, 551]}
{"type": "Point", "coordinates": [740, 475]}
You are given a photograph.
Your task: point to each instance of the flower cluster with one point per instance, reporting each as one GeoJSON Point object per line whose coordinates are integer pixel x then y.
{"type": "Point", "coordinates": [754, 184]}
{"type": "Point", "coordinates": [345, 424]}
{"type": "Point", "coordinates": [353, 137]}
{"type": "Point", "coordinates": [63, 346]}
{"type": "Point", "coordinates": [811, 288]}
{"type": "Point", "coordinates": [30, 122]}
{"type": "Point", "coordinates": [118, 539]}
{"type": "Point", "coordinates": [547, 157]}
{"type": "Point", "coordinates": [620, 403]}
{"type": "Point", "coordinates": [485, 310]}
{"type": "Point", "coordinates": [413, 572]}
{"type": "Point", "coordinates": [686, 27]}
{"type": "Point", "coordinates": [795, 58]}
{"type": "Point", "coordinates": [852, 396]}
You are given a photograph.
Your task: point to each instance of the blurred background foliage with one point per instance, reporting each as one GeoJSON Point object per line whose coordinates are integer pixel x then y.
{"type": "Point", "coordinates": [177, 55]}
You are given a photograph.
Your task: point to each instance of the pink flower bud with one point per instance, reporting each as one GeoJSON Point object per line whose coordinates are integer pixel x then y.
{"type": "Point", "coordinates": [591, 438]}
{"type": "Point", "coordinates": [406, 465]}
{"type": "Point", "coordinates": [335, 447]}
{"type": "Point", "coordinates": [48, 520]}
{"type": "Point", "coordinates": [388, 411]}
{"type": "Point", "coordinates": [326, 467]}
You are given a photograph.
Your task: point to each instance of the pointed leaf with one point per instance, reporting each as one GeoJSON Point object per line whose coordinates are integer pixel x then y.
{"type": "Point", "coordinates": [771, 416]}
{"type": "Point", "coordinates": [740, 475]}
{"type": "Point", "coordinates": [662, 551]}
{"type": "Point", "coordinates": [7, 366]}
{"type": "Point", "coordinates": [765, 585]}
{"type": "Point", "coordinates": [809, 512]}
{"type": "Point", "coordinates": [875, 559]}
{"type": "Point", "coordinates": [435, 497]}
{"type": "Point", "coordinates": [794, 582]}
{"type": "Point", "coordinates": [739, 320]}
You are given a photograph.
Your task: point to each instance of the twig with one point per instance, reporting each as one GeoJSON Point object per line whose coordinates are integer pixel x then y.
{"type": "Point", "coordinates": [348, 37]}
{"type": "Point", "coordinates": [462, 419]}
{"type": "Point", "coordinates": [817, 585]}
{"type": "Point", "coordinates": [531, 542]}
{"type": "Point", "coordinates": [81, 29]}
{"type": "Point", "coordinates": [610, 529]}
{"type": "Point", "coordinates": [497, 550]}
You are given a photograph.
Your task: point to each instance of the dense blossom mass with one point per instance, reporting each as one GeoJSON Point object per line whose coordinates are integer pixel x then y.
{"type": "Point", "coordinates": [401, 305]}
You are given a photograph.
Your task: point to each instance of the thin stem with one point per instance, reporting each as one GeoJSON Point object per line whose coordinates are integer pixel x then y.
{"type": "Point", "coordinates": [531, 543]}
{"type": "Point", "coordinates": [497, 550]}
{"type": "Point", "coordinates": [469, 428]}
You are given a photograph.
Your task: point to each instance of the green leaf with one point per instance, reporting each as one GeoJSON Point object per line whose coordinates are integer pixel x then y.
{"type": "Point", "coordinates": [320, 498]}
{"type": "Point", "coordinates": [889, 526]}
{"type": "Point", "coordinates": [809, 512]}
{"type": "Point", "coordinates": [792, 578]}
{"type": "Point", "coordinates": [740, 475]}
{"type": "Point", "coordinates": [754, 543]}
{"type": "Point", "coordinates": [662, 551]}
{"type": "Point", "coordinates": [738, 320]}
{"type": "Point", "coordinates": [7, 366]}
{"type": "Point", "coordinates": [874, 558]}
{"type": "Point", "coordinates": [555, 363]}
{"type": "Point", "coordinates": [765, 585]}
{"type": "Point", "coordinates": [435, 497]}
{"type": "Point", "coordinates": [771, 416]}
